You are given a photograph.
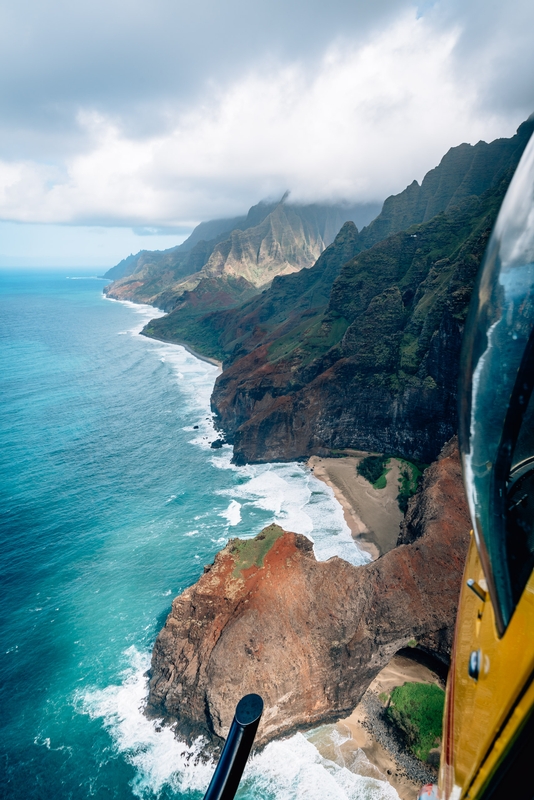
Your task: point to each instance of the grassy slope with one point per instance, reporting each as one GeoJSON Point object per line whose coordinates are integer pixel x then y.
{"type": "Point", "coordinates": [388, 301]}
{"type": "Point", "coordinates": [251, 552]}
{"type": "Point", "coordinates": [417, 710]}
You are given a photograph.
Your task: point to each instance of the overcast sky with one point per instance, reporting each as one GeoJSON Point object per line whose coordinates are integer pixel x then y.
{"type": "Point", "coordinates": [125, 122]}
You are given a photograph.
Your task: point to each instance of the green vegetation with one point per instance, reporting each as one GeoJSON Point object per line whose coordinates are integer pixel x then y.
{"type": "Point", "coordinates": [379, 308]}
{"type": "Point", "coordinates": [417, 711]}
{"type": "Point", "coordinates": [309, 341]}
{"type": "Point", "coordinates": [381, 483]}
{"type": "Point", "coordinates": [250, 552]}
{"type": "Point", "coordinates": [195, 332]}
{"type": "Point", "coordinates": [374, 469]}
{"type": "Point", "coordinates": [410, 479]}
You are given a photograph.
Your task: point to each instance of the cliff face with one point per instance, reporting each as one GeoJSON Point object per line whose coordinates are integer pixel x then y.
{"type": "Point", "coordinates": [377, 369]}
{"type": "Point", "coordinates": [309, 636]}
{"type": "Point", "coordinates": [185, 258]}
{"type": "Point", "coordinates": [273, 239]}
{"type": "Point", "coordinates": [362, 349]}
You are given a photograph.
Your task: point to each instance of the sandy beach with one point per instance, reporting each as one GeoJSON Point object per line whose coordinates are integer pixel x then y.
{"type": "Point", "coordinates": [373, 515]}
{"type": "Point", "coordinates": [352, 742]}
{"type": "Point", "coordinates": [363, 742]}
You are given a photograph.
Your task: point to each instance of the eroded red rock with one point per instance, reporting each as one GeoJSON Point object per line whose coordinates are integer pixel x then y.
{"type": "Point", "coordinates": [309, 636]}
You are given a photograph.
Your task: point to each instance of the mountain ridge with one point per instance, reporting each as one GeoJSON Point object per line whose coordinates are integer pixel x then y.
{"type": "Point", "coordinates": [464, 171]}
{"type": "Point", "coordinates": [377, 369]}
{"type": "Point", "coordinates": [362, 349]}
{"type": "Point", "coordinates": [272, 238]}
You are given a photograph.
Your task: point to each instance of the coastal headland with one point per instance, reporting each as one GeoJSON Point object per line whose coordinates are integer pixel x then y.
{"type": "Point", "coordinates": [189, 349]}
{"type": "Point", "coordinates": [310, 636]}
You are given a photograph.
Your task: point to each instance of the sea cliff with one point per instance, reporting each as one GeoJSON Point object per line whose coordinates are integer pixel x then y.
{"type": "Point", "coordinates": [377, 369]}
{"type": "Point", "coordinates": [309, 636]}
{"type": "Point", "coordinates": [362, 349]}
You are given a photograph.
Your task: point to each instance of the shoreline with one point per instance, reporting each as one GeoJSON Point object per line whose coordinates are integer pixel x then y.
{"type": "Point", "coordinates": [366, 750]}
{"type": "Point", "coordinates": [365, 732]}
{"type": "Point", "coordinates": [187, 347]}
{"type": "Point", "coordinates": [372, 515]}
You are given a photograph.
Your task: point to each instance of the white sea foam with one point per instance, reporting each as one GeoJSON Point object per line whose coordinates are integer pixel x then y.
{"type": "Point", "coordinates": [233, 513]}
{"type": "Point", "coordinates": [291, 769]}
{"type": "Point", "coordinates": [195, 378]}
{"type": "Point", "coordinates": [158, 757]}
{"type": "Point", "coordinates": [223, 460]}
{"type": "Point", "coordinates": [299, 502]}
{"type": "Point", "coordinates": [143, 311]}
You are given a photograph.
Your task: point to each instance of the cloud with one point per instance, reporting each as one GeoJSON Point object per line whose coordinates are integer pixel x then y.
{"type": "Point", "coordinates": [361, 125]}
{"type": "Point", "coordinates": [494, 51]}
{"type": "Point", "coordinates": [159, 115]}
{"type": "Point", "coordinates": [140, 60]}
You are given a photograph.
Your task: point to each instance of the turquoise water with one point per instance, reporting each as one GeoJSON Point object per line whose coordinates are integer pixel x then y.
{"type": "Point", "coordinates": [112, 501]}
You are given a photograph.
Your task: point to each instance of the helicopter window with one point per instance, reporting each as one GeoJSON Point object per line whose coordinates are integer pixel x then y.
{"type": "Point", "coordinates": [496, 399]}
{"type": "Point", "coordinates": [520, 502]}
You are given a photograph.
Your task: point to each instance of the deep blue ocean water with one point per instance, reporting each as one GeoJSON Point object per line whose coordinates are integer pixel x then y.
{"type": "Point", "coordinates": [112, 501]}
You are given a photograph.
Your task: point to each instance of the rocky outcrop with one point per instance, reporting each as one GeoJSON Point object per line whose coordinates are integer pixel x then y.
{"type": "Point", "coordinates": [309, 636]}
{"type": "Point", "coordinates": [439, 491]}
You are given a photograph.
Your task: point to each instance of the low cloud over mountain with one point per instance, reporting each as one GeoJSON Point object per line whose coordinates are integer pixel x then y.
{"type": "Point", "coordinates": [162, 115]}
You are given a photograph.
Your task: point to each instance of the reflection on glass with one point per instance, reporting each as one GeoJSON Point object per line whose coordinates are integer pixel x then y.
{"type": "Point", "coordinates": [496, 426]}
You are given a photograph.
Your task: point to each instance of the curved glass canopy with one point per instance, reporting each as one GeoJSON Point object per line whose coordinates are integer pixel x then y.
{"type": "Point", "coordinates": [496, 398]}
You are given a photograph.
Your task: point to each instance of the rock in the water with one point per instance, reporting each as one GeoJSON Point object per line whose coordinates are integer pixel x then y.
{"type": "Point", "coordinates": [308, 636]}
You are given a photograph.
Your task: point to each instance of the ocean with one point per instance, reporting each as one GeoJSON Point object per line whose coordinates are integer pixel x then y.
{"type": "Point", "coordinates": [112, 502]}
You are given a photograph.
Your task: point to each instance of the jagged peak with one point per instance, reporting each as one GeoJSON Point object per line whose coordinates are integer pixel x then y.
{"type": "Point", "coordinates": [527, 126]}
